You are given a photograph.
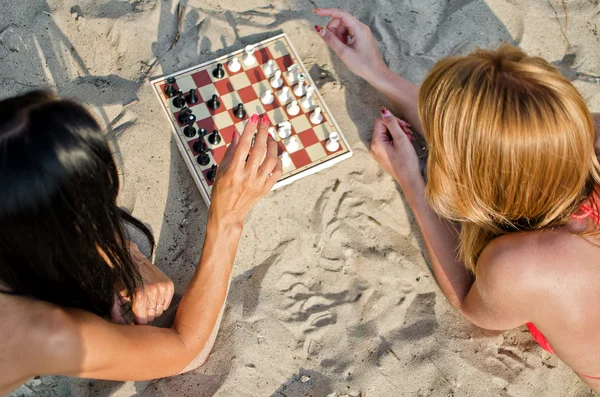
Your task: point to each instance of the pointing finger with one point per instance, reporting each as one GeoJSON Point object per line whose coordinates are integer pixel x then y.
{"type": "Point", "coordinates": [351, 23]}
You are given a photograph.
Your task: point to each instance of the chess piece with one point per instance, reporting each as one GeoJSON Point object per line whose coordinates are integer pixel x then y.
{"type": "Point", "coordinates": [234, 65]}
{"type": "Point", "coordinates": [249, 58]}
{"type": "Point", "coordinates": [170, 89]}
{"type": "Point", "coordinates": [332, 143]}
{"type": "Point", "coordinates": [212, 173]}
{"type": "Point", "coordinates": [291, 74]}
{"type": "Point", "coordinates": [183, 115]}
{"type": "Point", "coordinates": [284, 130]}
{"type": "Point", "coordinates": [307, 102]}
{"type": "Point", "coordinates": [192, 97]}
{"type": "Point", "coordinates": [286, 160]}
{"type": "Point", "coordinates": [269, 68]}
{"type": "Point", "coordinates": [316, 117]}
{"type": "Point", "coordinates": [203, 158]}
{"type": "Point", "coordinates": [299, 89]}
{"type": "Point", "coordinates": [190, 131]}
{"type": "Point", "coordinates": [179, 101]}
{"type": "Point", "coordinates": [272, 132]}
{"type": "Point", "coordinates": [214, 138]}
{"type": "Point", "coordinates": [276, 80]}
{"type": "Point", "coordinates": [239, 111]}
{"type": "Point", "coordinates": [267, 98]}
{"type": "Point", "coordinates": [293, 109]}
{"type": "Point", "coordinates": [291, 144]}
{"type": "Point", "coordinates": [219, 72]}
{"type": "Point", "coordinates": [214, 102]}
{"type": "Point", "coordinates": [200, 146]}
{"type": "Point", "coordinates": [283, 95]}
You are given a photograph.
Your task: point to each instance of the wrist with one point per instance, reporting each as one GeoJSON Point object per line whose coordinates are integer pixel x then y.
{"type": "Point", "coordinates": [379, 77]}
{"type": "Point", "coordinates": [228, 223]}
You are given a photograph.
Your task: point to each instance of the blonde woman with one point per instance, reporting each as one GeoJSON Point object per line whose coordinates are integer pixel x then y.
{"type": "Point", "coordinates": [512, 162]}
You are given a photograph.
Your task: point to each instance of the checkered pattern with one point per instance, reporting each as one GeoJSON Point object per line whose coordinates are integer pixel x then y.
{"type": "Point", "coordinates": [247, 86]}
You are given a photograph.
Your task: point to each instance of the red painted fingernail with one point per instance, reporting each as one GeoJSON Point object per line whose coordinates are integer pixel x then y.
{"type": "Point", "coordinates": [320, 30]}
{"type": "Point", "coordinates": [265, 119]}
{"type": "Point", "coordinates": [254, 119]}
{"type": "Point", "coordinates": [233, 136]}
{"type": "Point", "coordinates": [385, 112]}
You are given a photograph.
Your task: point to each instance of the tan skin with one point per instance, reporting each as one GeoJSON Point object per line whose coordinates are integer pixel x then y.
{"type": "Point", "coordinates": [41, 338]}
{"type": "Point", "coordinates": [548, 277]}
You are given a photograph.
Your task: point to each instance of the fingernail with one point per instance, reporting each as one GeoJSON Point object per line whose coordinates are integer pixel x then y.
{"type": "Point", "coordinates": [265, 119]}
{"type": "Point", "coordinates": [233, 136]}
{"type": "Point", "coordinates": [315, 10]}
{"type": "Point", "coordinates": [385, 112]}
{"type": "Point", "coordinates": [254, 119]}
{"type": "Point", "coordinates": [320, 30]}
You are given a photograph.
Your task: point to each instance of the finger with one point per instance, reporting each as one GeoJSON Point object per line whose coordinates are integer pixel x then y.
{"type": "Point", "coordinates": [275, 175]}
{"type": "Point", "coordinates": [230, 150]}
{"type": "Point", "coordinates": [351, 23]}
{"type": "Point", "coordinates": [333, 42]}
{"type": "Point", "coordinates": [150, 315]}
{"type": "Point", "coordinates": [266, 169]}
{"type": "Point", "coordinates": [140, 313]}
{"type": "Point", "coordinates": [380, 133]}
{"type": "Point", "coordinates": [392, 124]}
{"type": "Point", "coordinates": [245, 142]}
{"type": "Point", "coordinates": [260, 145]}
{"type": "Point", "coordinates": [116, 311]}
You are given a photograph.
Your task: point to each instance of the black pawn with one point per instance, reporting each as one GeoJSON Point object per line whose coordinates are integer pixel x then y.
{"type": "Point", "coordinates": [239, 111]}
{"type": "Point", "coordinates": [183, 115]}
{"type": "Point", "coordinates": [212, 173]}
{"type": "Point", "coordinates": [170, 90]}
{"type": "Point", "coordinates": [204, 159]}
{"type": "Point", "coordinates": [179, 101]}
{"type": "Point", "coordinates": [192, 97]}
{"type": "Point", "coordinates": [200, 146]}
{"type": "Point", "coordinates": [214, 138]}
{"type": "Point", "coordinates": [202, 132]}
{"type": "Point", "coordinates": [214, 102]}
{"type": "Point", "coordinates": [219, 73]}
{"type": "Point", "coordinates": [190, 131]}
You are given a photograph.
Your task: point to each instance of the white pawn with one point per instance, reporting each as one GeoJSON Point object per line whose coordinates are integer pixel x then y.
{"type": "Point", "coordinates": [267, 98]}
{"type": "Point", "coordinates": [292, 74]}
{"type": "Point", "coordinates": [249, 58]}
{"type": "Point", "coordinates": [291, 144]}
{"type": "Point", "coordinates": [269, 68]}
{"type": "Point", "coordinates": [299, 89]}
{"type": "Point", "coordinates": [308, 102]}
{"type": "Point", "coordinates": [293, 108]}
{"type": "Point", "coordinates": [285, 130]}
{"type": "Point", "coordinates": [234, 65]}
{"type": "Point", "coordinates": [332, 143]}
{"type": "Point", "coordinates": [285, 159]}
{"type": "Point", "coordinates": [284, 95]}
{"type": "Point", "coordinates": [316, 117]}
{"type": "Point", "coordinates": [276, 80]}
{"type": "Point", "coordinates": [272, 132]}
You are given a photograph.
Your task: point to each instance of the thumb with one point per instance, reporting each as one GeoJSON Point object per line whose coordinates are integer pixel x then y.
{"type": "Point", "coordinates": [391, 122]}
{"type": "Point", "coordinates": [332, 41]}
{"type": "Point", "coordinates": [116, 311]}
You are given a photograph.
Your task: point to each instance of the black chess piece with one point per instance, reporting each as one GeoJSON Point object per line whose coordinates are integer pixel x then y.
{"type": "Point", "coordinates": [239, 111]}
{"type": "Point", "coordinates": [179, 101]}
{"type": "Point", "coordinates": [183, 115]}
{"type": "Point", "coordinates": [203, 159]}
{"type": "Point", "coordinates": [170, 89]}
{"type": "Point", "coordinates": [212, 173]}
{"type": "Point", "coordinates": [219, 72]}
{"type": "Point", "coordinates": [214, 102]}
{"type": "Point", "coordinates": [214, 138]}
{"type": "Point", "coordinates": [200, 146]}
{"type": "Point", "coordinates": [190, 131]}
{"type": "Point", "coordinates": [202, 132]}
{"type": "Point", "coordinates": [192, 97]}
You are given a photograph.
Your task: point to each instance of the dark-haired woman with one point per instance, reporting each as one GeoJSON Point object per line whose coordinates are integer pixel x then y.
{"type": "Point", "coordinates": [64, 255]}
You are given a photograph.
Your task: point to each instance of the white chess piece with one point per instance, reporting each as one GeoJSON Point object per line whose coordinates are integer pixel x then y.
{"type": "Point", "coordinates": [267, 98]}
{"type": "Point", "coordinates": [292, 73]}
{"type": "Point", "coordinates": [285, 159]}
{"type": "Point", "coordinates": [284, 95]}
{"type": "Point", "coordinates": [276, 80]}
{"type": "Point", "coordinates": [299, 89]}
{"type": "Point", "coordinates": [316, 117]}
{"type": "Point", "coordinates": [234, 65]}
{"type": "Point", "coordinates": [307, 102]}
{"type": "Point", "coordinates": [272, 132]}
{"type": "Point", "coordinates": [291, 144]}
{"type": "Point", "coordinates": [269, 68]}
{"type": "Point", "coordinates": [249, 58]}
{"type": "Point", "coordinates": [332, 143]}
{"type": "Point", "coordinates": [293, 108]}
{"type": "Point", "coordinates": [285, 130]}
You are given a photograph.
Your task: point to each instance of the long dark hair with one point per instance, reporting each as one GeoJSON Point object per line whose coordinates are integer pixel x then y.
{"type": "Point", "coordinates": [61, 238]}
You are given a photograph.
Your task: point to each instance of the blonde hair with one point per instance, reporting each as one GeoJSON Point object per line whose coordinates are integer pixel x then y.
{"type": "Point", "coordinates": [511, 145]}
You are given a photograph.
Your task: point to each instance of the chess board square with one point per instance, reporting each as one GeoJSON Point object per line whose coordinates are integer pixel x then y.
{"type": "Point", "coordinates": [255, 75]}
{"type": "Point", "coordinates": [316, 152]}
{"type": "Point", "coordinates": [240, 81]}
{"type": "Point", "coordinates": [322, 131]}
{"type": "Point", "coordinates": [230, 100]}
{"type": "Point", "coordinates": [228, 132]}
{"type": "Point", "coordinates": [291, 116]}
{"type": "Point", "coordinates": [224, 87]}
{"type": "Point", "coordinates": [287, 140]}
{"type": "Point", "coordinates": [200, 110]}
{"type": "Point", "coordinates": [247, 94]}
{"type": "Point", "coordinates": [323, 143]}
{"type": "Point", "coordinates": [290, 98]}
{"type": "Point", "coordinates": [308, 138]}
{"type": "Point", "coordinates": [186, 83]}
{"type": "Point", "coordinates": [277, 116]}
{"type": "Point", "coordinates": [207, 91]}
{"type": "Point", "coordinates": [240, 126]}
{"type": "Point", "coordinates": [214, 79]}
{"type": "Point", "coordinates": [226, 65]}
{"type": "Point", "coordinates": [234, 117]}
{"type": "Point", "coordinates": [301, 123]}
{"type": "Point", "coordinates": [163, 86]}
{"type": "Point", "coordinates": [300, 158]}
{"type": "Point", "coordinates": [208, 124]}
{"type": "Point", "coordinates": [262, 55]}
{"type": "Point", "coordinates": [284, 62]}
{"type": "Point", "coordinates": [200, 101]}
{"type": "Point", "coordinates": [254, 107]}
{"type": "Point", "coordinates": [201, 79]}
{"type": "Point", "coordinates": [222, 120]}
{"type": "Point", "coordinates": [278, 49]}
{"type": "Point", "coordinates": [218, 153]}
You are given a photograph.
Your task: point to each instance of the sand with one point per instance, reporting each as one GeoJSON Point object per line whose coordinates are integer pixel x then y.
{"type": "Point", "coordinates": [331, 294]}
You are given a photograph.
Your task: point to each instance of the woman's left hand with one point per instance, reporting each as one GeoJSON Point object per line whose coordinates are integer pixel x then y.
{"type": "Point", "coordinates": [152, 300]}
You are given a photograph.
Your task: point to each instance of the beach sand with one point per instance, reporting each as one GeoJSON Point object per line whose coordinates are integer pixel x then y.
{"type": "Point", "coordinates": [331, 293]}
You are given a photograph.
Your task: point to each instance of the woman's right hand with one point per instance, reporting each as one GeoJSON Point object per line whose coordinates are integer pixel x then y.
{"type": "Point", "coordinates": [353, 43]}
{"type": "Point", "coordinates": [244, 179]}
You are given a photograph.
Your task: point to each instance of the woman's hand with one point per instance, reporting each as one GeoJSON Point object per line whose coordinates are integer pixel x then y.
{"type": "Point", "coordinates": [244, 179]}
{"type": "Point", "coordinates": [353, 43]}
{"type": "Point", "coordinates": [392, 149]}
{"type": "Point", "coordinates": [152, 300]}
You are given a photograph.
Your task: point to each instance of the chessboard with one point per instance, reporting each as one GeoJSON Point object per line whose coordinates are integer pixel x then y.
{"type": "Point", "coordinates": [207, 104]}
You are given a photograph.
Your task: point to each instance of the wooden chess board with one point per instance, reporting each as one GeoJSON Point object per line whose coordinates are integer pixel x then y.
{"type": "Point", "coordinates": [247, 86]}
